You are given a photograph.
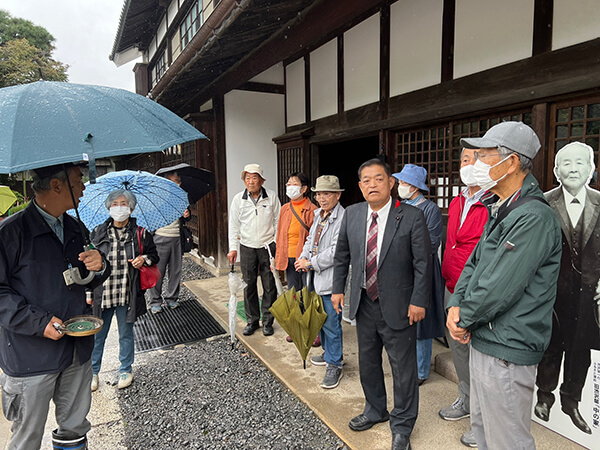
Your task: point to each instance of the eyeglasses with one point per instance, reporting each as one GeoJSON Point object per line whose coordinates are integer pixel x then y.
{"type": "Point", "coordinates": [478, 155]}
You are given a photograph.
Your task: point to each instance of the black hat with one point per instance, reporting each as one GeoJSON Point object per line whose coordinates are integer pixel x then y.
{"type": "Point", "coordinates": [45, 172]}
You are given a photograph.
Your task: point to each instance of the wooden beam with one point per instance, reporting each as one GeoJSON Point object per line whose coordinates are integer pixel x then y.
{"type": "Point", "coordinates": [384, 60]}
{"type": "Point", "coordinates": [340, 74]}
{"type": "Point", "coordinates": [542, 26]}
{"type": "Point", "coordinates": [523, 83]}
{"type": "Point", "coordinates": [268, 88]}
{"type": "Point", "coordinates": [307, 107]}
{"type": "Point", "coordinates": [448, 25]}
{"type": "Point", "coordinates": [540, 122]}
{"type": "Point", "coordinates": [323, 20]}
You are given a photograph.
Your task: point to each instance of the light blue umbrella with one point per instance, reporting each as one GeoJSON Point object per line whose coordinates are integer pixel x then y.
{"type": "Point", "coordinates": [159, 201]}
{"type": "Point", "coordinates": [47, 123]}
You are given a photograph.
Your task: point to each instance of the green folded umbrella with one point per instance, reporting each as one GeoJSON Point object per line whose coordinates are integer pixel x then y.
{"type": "Point", "coordinates": [302, 316]}
{"type": "Point", "coordinates": [7, 198]}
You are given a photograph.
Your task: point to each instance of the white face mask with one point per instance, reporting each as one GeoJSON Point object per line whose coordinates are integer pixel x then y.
{"type": "Point", "coordinates": [481, 174]}
{"type": "Point", "coordinates": [466, 175]}
{"type": "Point", "coordinates": [293, 192]}
{"type": "Point", "coordinates": [120, 213]}
{"type": "Point", "coordinates": [404, 192]}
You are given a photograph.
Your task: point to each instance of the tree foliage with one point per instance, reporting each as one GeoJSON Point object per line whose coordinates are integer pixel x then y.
{"type": "Point", "coordinates": [21, 62]}
{"type": "Point", "coordinates": [25, 53]}
{"type": "Point", "coordinates": [12, 28]}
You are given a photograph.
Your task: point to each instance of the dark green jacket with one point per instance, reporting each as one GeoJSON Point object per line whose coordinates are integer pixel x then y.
{"type": "Point", "coordinates": [508, 286]}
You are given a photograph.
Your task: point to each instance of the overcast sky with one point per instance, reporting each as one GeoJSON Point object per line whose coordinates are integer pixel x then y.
{"type": "Point", "coordinates": [84, 31]}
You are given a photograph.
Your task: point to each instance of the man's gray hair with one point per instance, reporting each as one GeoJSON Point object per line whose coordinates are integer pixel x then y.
{"type": "Point", "coordinates": [40, 185]}
{"type": "Point", "coordinates": [525, 162]}
{"type": "Point", "coordinates": [121, 193]}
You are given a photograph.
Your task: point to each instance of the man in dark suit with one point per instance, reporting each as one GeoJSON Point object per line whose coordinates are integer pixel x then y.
{"type": "Point", "coordinates": [574, 328]}
{"type": "Point", "coordinates": [389, 250]}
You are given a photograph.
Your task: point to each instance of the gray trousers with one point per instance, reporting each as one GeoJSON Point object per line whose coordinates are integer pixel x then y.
{"type": "Point", "coordinates": [26, 401]}
{"type": "Point", "coordinates": [169, 252]}
{"type": "Point", "coordinates": [460, 357]}
{"type": "Point", "coordinates": [501, 400]}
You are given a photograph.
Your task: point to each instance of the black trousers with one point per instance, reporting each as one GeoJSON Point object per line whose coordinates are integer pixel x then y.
{"type": "Point", "coordinates": [401, 346]}
{"type": "Point", "coordinates": [294, 279]}
{"type": "Point", "coordinates": [252, 262]}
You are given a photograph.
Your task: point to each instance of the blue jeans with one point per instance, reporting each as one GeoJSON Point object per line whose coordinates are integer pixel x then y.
{"type": "Point", "coordinates": [126, 349]}
{"type": "Point", "coordinates": [331, 334]}
{"type": "Point", "coordinates": [424, 357]}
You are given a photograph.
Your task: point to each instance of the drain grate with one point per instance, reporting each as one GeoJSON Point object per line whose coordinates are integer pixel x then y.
{"type": "Point", "coordinates": [188, 323]}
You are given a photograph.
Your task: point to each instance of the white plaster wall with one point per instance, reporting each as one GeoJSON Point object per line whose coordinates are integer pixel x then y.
{"type": "Point", "coordinates": [295, 93]}
{"type": "Point", "coordinates": [490, 33]}
{"type": "Point", "coordinates": [207, 106]}
{"type": "Point", "coordinates": [415, 56]}
{"type": "Point", "coordinates": [273, 75]}
{"type": "Point", "coordinates": [361, 63]}
{"type": "Point", "coordinates": [152, 48]}
{"type": "Point", "coordinates": [575, 21]}
{"type": "Point", "coordinates": [162, 30]}
{"type": "Point", "coordinates": [172, 11]}
{"type": "Point", "coordinates": [323, 81]}
{"type": "Point", "coordinates": [252, 120]}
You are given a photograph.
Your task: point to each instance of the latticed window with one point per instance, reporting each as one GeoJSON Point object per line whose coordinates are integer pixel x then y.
{"type": "Point", "coordinates": [438, 149]}
{"type": "Point", "coordinates": [160, 67]}
{"type": "Point", "coordinates": [575, 121]}
{"type": "Point", "coordinates": [191, 24]}
{"type": "Point", "coordinates": [289, 160]}
{"type": "Point", "coordinates": [428, 148]}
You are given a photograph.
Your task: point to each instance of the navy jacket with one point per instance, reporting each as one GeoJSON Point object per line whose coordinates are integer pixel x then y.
{"type": "Point", "coordinates": [32, 290]}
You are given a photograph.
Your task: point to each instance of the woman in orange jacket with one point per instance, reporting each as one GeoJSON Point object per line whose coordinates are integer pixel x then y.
{"type": "Point", "coordinates": [295, 220]}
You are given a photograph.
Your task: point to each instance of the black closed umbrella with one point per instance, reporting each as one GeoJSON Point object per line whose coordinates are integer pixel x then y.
{"type": "Point", "coordinates": [196, 182]}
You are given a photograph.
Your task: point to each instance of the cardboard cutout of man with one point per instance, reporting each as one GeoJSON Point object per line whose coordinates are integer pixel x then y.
{"type": "Point", "coordinates": [575, 320]}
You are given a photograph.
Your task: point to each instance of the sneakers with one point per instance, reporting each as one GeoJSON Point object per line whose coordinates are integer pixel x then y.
{"type": "Point", "coordinates": [455, 411]}
{"type": "Point", "coordinates": [125, 380]}
{"type": "Point", "coordinates": [333, 375]}
{"type": "Point", "coordinates": [468, 439]}
{"type": "Point", "coordinates": [95, 382]}
{"type": "Point", "coordinates": [173, 304]}
{"type": "Point", "coordinates": [318, 360]}
{"type": "Point", "coordinates": [156, 309]}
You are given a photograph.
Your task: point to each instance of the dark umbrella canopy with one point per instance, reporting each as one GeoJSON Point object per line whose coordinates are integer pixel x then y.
{"type": "Point", "coordinates": [195, 181]}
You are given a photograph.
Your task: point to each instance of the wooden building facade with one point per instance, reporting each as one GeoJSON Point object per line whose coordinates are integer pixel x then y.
{"type": "Point", "coordinates": [320, 86]}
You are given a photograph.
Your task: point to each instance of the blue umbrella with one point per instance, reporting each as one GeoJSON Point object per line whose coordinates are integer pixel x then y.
{"type": "Point", "coordinates": [159, 201]}
{"type": "Point", "coordinates": [47, 123]}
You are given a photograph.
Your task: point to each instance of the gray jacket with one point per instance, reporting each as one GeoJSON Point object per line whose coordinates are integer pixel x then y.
{"type": "Point", "coordinates": [322, 262]}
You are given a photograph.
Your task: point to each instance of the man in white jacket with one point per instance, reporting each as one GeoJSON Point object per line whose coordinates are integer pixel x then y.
{"type": "Point", "coordinates": [253, 219]}
{"type": "Point", "coordinates": [317, 258]}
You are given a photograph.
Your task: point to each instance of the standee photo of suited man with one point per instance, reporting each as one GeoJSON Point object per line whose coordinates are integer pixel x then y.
{"type": "Point", "coordinates": [575, 330]}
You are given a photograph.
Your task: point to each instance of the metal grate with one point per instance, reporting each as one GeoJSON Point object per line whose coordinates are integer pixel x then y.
{"type": "Point", "coordinates": [188, 323]}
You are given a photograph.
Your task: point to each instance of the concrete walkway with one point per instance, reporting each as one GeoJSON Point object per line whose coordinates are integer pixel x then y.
{"type": "Point", "coordinates": [335, 407]}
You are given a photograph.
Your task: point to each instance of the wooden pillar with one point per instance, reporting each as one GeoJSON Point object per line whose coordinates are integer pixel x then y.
{"type": "Point", "coordinates": [142, 86]}
{"type": "Point", "coordinates": [542, 163]}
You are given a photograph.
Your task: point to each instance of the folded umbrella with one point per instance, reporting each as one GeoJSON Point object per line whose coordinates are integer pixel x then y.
{"type": "Point", "coordinates": [278, 283]}
{"type": "Point", "coordinates": [159, 201]}
{"type": "Point", "coordinates": [302, 316]}
{"type": "Point", "coordinates": [7, 198]}
{"type": "Point", "coordinates": [236, 284]}
{"type": "Point", "coordinates": [195, 181]}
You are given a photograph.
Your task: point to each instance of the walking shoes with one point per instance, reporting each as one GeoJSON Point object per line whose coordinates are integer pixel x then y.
{"type": "Point", "coordinates": [455, 411]}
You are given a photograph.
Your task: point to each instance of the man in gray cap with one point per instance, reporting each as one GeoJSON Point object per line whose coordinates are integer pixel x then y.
{"type": "Point", "coordinates": [503, 300]}
{"type": "Point", "coordinates": [253, 217]}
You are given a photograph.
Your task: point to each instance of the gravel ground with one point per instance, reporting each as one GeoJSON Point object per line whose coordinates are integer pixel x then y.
{"type": "Point", "coordinates": [206, 395]}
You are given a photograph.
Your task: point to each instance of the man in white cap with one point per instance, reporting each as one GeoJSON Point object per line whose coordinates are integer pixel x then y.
{"type": "Point", "coordinates": [502, 303]}
{"type": "Point", "coordinates": [253, 217]}
{"type": "Point", "coordinates": [574, 329]}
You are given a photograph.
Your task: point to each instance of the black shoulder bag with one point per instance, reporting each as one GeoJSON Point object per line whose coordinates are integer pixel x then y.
{"type": "Point", "coordinates": [187, 238]}
{"type": "Point", "coordinates": [520, 201]}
